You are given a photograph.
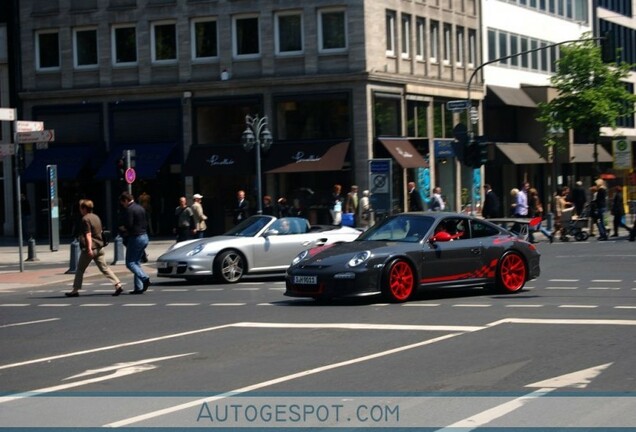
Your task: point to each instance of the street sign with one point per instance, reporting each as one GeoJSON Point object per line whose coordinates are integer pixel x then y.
{"type": "Point", "coordinates": [7, 150]}
{"type": "Point", "coordinates": [131, 175]}
{"type": "Point", "coordinates": [7, 114]}
{"type": "Point", "coordinates": [458, 105]}
{"type": "Point", "coordinates": [35, 136]}
{"type": "Point", "coordinates": [29, 126]}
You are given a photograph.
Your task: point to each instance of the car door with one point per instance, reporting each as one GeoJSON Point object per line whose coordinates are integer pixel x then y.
{"type": "Point", "coordinates": [458, 259]}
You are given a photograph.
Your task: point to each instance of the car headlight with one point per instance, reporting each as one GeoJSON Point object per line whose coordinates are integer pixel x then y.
{"type": "Point", "coordinates": [359, 258]}
{"type": "Point", "coordinates": [196, 250]}
{"type": "Point", "coordinates": [301, 256]}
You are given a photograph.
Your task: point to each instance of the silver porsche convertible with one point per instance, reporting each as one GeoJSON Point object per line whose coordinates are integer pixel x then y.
{"type": "Point", "coordinates": [258, 245]}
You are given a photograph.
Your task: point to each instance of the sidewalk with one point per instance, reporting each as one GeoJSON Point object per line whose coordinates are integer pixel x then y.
{"type": "Point", "coordinates": [52, 267]}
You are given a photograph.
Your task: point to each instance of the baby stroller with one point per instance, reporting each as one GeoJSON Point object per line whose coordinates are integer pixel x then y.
{"type": "Point", "coordinates": [573, 225]}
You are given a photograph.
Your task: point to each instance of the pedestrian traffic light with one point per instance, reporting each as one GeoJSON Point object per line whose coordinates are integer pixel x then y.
{"type": "Point", "coordinates": [483, 150]}
{"type": "Point", "coordinates": [121, 171]}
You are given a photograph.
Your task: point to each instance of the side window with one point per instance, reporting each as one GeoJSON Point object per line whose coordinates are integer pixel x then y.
{"type": "Point", "coordinates": [456, 227]}
{"type": "Point", "coordinates": [482, 230]}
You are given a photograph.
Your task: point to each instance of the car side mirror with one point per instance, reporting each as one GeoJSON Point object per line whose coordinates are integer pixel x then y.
{"type": "Point", "coordinates": [441, 237]}
{"type": "Point", "coordinates": [271, 232]}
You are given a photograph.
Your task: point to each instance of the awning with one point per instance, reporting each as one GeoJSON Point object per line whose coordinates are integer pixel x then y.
{"type": "Point", "coordinates": [218, 160]}
{"type": "Point", "coordinates": [404, 153]}
{"type": "Point", "coordinates": [149, 158]}
{"type": "Point", "coordinates": [520, 153]}
{"type": "Point", "coordinates": [512, 96]}
{"type": "Point", "coordinates": [69, 160]}
{"type": "Point", "coordinates": [584, 153]}
{"type": "Point", "coordinates": [306, 157]}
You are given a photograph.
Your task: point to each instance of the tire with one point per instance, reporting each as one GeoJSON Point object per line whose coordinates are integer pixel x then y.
{"type": "Point", "coordinates": [398, 284]}
{"type": "Point", "coordinates": [579, 236]}
{"type": "Point", "coordinates": [586, 235]}
{"type": "Point", "coordinates": [229, 267]}
{"type": "Point", "coordinates": [512, 273]}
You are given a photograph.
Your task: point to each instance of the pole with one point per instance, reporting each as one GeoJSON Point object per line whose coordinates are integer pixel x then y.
{"type": "Point", "coordinates": [127, 168]}
{"type": "Point", "coordinates": [18, 194]}
{"type": "Point", "coordinates": [259, 199]}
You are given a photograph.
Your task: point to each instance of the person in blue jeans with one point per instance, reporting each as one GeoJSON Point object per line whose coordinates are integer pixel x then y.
{"type": "Point", "coordinates": [600, 203]}
{"type": "Point", "coordinates": [134, 225]}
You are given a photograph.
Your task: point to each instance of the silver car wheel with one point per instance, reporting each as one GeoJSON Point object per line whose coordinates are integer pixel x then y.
{"type": "Point", "coordinates": [231, 266]}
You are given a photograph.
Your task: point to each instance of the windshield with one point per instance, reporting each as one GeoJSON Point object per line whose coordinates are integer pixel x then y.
{"type": "Point", "coordinates": [250, 226]}
{"type": "Point", "coordinates": [404, 228]}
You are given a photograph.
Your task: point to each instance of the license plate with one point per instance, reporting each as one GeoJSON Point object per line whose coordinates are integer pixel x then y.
{"type": "Point", "coordinates": [306, 280]}
{"type": "Point", "coordinates": [162, 264]}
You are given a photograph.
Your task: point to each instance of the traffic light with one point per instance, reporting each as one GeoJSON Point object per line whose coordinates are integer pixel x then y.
{"type": "Point", "coordinates": [483, 150]}
{"type": "Point", "coordinates": [471, 155]}
{"type": "Point", "coordinates": [121, 171]}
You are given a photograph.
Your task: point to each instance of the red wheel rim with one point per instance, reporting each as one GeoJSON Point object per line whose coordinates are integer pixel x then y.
{"type": "Point", "coordinates": [513, 272]}
{"type": "Point", "coordinates": [401, 281]}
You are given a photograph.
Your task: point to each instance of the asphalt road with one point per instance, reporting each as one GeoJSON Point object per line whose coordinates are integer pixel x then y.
{"type": "Point", "coordinates": [559, 354]}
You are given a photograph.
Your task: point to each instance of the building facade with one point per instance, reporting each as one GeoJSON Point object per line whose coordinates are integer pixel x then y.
{"type": "Point", "coordinates": [340, 83]}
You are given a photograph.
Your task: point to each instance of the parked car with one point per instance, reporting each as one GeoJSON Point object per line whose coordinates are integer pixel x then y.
{"type": "Point", "coordinates": [416, 250]}
{"type": "Point", "coordinates": [258, 245]}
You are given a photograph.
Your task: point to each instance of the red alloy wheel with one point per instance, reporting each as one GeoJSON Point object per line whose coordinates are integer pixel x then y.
{"type": "Point", "coordinates": [400, 281]}
{"type": "Point", "coordinates": [512, 272]}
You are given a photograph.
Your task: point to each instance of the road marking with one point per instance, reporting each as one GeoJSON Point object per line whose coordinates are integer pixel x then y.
{"type": "Point", "coordinates": [119, 370]}
{"type": "Point", "coordinates": [563, 280]}
{"type": "Point", "coordinates": [422, 304]}
{"type": "Point", "coordinates": [578, 379]}
{"type": "Point", "coordinates": [561, 288]}
{"type": "Point", "coordinates": [183, 304]}
{"type": "Point", "coordinates": [476, 305]}
{"type": "Point", "coordinates": [358, 326]}
{"type": "Point", "coordinates": [228, 304]}
{"type": "Point", "coordinates": [624, 307]}
{"type": "Point", "coordinates": [559, 321]}
{"type": "Point", "coordinates": [604, 288]}
{"type": "Point", "coordinates": [175, 290]}
{"type": "Point", "coordinates": [607, 280]}
{"type": "Point", "coordinates": [14, 304]}
{"type": "Point", "coordinates": [277, 289]}
{"type": "Point", "coordinates": [29, 322]}
{"type": "Point", "coordinates": [290, 377]}
{"type": "Point", "coordinates": [209, 289]}
{"type": "Point", "coordinates": [525, 306]}
{"type": "Point", "coordinates": [578, 306]}
{"type": "Point", "coordinates": [264, 304]}
{"type": "Point", "coordinates": [139, 304]}
{"type": "Point", "coordinates": [95, 304]}
{"type": "Point", "coordinates": [54, 304]}
{"type": "Point", "coordinates": [246, 289]}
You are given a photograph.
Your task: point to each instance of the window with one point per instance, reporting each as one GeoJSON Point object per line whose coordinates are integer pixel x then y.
{"type": "Point", "coordinates": [525, 57]}
{"type": "Point", "coordinates": [420, 38]}
{"type": "Point", "coordinates": [85, 47]}
{"type": "Point", "coordinates": [311, 116]}
{"type": "Point", "coordinates": [503, 47]}
{"type": "Point", "coordinates": [459, 51]}
{"type": "Point", "coordinates": [433, 40]}
{"type": "Point", "coordinates": [204, 38]}
{"type": "Point", "coordinates": [448, 41]}
{"type": "Point", "coordinates": [406, 36]}
{"type": "Point", "coordinates": [47, 48]}
{"type": "Point", "coordinates": [387, 115]}
{"type": "Point", "coordinates": [514, 49]}
{"type": "Point", "coordinates": [492, 45]}
{"type": "Point", "coordinates": [164, 42]}
{"type": "Point", "coordinates": [332, 29]}
{"type": "Point", "coordinates": [390, 33]}
{"type": "Point", "coordinates": [246, 38]}
{"type": "Point", "coordinates": [124, 43]}
{"type": "Point", "coordinates": [289, 33]}
{"type": "Point", "coordinates": [472, 47]}
{"type": "Point", "coordinates": [534, 56]}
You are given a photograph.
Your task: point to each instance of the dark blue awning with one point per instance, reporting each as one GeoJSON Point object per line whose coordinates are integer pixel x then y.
{"type": "Point", "coordinates": [149, 158]}
{"type": "Point", "coordinates": [69, 160]}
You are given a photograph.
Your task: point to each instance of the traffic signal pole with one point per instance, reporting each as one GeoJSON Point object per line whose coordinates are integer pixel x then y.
{"type": "Point", "coordinates": [471, 132]}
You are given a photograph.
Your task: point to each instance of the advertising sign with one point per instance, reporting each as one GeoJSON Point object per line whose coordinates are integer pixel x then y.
{"type": "Point", "coordinates": [380, 185]}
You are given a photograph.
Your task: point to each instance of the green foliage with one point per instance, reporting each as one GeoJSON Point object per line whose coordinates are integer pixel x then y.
{"type": "Point", "coordinates": [592, 93]}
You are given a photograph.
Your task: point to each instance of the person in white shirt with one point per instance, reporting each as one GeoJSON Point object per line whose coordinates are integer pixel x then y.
{"type": "Point", "coordinates": [437, 202]}
{"type": "Point", "coordinates": [521, 209]}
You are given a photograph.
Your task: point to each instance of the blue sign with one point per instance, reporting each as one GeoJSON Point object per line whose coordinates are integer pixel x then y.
{"type": "Point", "coordinates": [444, 148]}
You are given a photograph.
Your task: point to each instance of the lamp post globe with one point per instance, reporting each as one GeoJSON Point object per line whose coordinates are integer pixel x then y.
{"type": "Point", "coordinates": [257, 135]}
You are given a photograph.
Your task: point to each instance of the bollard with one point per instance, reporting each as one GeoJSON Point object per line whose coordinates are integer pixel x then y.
{"type": "Point", "coordinates": [32, 256]}
{"type": "Point", "coordinates": [75, 252]}
{"type": "Point", "coordinates": [118, 246]}
{"type": "Point", "coordinates": [549, 220]}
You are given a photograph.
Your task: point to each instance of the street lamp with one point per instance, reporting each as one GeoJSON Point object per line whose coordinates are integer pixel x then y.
{"type": "Point", "coordinates": [257, 134]}
{"type": "Point", "coordinates": [555, 133]}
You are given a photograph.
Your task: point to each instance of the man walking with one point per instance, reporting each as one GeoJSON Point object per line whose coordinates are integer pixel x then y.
{"type": "Point", "coordinates": [437, 202]}
{"type": "Point", "coordinates": [241, 211]}
{"type": "Point", "coordinates": [134, 228]}
{"type": "Point", "coordinates": [415, 200]}
{"type": "Point", "coordinates": [199, 217]}
{"type": "Point", "coordinates": [521, 208]}
{"type": "Point", "coordinates": [183, 221]}
{"type": "Point", "coordinates": [491, 203]}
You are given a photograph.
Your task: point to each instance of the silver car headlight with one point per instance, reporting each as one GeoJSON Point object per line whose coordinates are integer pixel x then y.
{"type": "Point", "coordinates": [359, 258]}
{"type": "Point", "coordinates": [198, 248]}
{"type": "Point", "coordinates": [301, 256]}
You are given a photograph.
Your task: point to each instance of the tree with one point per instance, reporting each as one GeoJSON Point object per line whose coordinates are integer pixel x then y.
{"type": "Point", "coordinates": [591, 93]}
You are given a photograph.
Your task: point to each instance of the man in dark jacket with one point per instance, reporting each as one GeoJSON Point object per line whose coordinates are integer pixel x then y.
{"type": "Point", "coordinates": [133, 226]}
{"type": "Point", "coordinates": [491, 203]}
{"type": "Point", "coordinates": [415, 200]}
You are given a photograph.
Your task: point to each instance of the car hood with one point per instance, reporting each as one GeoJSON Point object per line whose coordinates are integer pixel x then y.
{"type": "Point", "coordinates": [338, 252]}
{"type": "Point", "coordinates": [210, 244]}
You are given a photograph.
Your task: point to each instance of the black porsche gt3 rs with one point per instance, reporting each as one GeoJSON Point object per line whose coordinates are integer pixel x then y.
{"type": "Point", "coordinates": [415, 250]}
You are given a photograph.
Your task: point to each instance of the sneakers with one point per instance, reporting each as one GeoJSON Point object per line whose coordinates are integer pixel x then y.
{"type": "Point", "coordinates": [146, 283]}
